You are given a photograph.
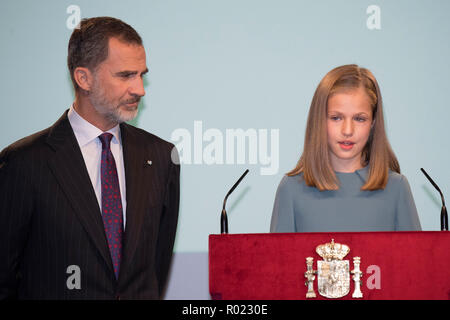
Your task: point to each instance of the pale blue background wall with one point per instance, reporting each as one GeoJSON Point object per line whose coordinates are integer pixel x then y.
{"type": "Point", "coordinates": [249, 65]}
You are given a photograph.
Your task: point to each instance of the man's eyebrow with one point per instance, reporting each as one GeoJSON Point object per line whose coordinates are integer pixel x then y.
{"type": "Point", "coordinates": [129, 73]}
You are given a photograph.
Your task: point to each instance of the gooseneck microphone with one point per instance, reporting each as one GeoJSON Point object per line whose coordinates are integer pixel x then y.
{"type": "Point", "coordinates": [223, 216]}
{"type": "Point", "coordinates": [444, 215]}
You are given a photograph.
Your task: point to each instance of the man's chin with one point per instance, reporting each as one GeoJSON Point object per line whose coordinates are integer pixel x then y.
{"type": "Point", "coordinates": [123, 113]}
{"type": "Point", "coordinates": [127, 114]}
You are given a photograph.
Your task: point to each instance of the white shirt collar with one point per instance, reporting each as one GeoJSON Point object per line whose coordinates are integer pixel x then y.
{"type": "Point", "coordinates": [86, 132]}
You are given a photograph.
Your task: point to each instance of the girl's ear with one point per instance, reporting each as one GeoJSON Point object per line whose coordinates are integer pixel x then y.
{"type": "Point", "coordinates": [373, 123]}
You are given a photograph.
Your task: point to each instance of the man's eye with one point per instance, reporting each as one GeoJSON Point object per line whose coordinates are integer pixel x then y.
{"type": "Point", "coordinates": [126, 75]}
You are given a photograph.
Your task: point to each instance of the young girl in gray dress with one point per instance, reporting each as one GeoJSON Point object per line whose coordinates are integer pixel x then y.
{"type": "Point", "coordinates": [348, 178]}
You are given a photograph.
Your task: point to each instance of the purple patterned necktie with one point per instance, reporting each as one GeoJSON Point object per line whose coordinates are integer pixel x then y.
{"type": "Point", "coordinates": [111, 202]}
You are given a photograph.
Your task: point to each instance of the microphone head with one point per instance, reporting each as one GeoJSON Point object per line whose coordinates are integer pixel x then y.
{"type": "Point", "coordinates": [431, 180]}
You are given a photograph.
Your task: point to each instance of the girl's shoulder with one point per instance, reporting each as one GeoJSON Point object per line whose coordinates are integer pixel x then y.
{"type": "Point", "coordinates": [294, 180]}
{"type": "Point", "coordinates": [397, 180]}
{"type": "Point", "coordinates": [294, 183]}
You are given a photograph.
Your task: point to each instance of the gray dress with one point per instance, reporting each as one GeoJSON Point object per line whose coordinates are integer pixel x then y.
{"type": "Point", "coordinates": [299, 208]}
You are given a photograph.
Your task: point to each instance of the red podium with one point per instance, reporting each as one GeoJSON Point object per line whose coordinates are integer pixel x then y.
{"type": "Point", "coordinates": [395, 265]}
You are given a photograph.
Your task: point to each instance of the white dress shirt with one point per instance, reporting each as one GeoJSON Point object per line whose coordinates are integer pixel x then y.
{"type": "Point", "coordinates": [91, 149]}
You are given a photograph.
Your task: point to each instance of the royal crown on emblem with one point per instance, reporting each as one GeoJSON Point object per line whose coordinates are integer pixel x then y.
{"type": "Point", "coordinates": [332, 251]}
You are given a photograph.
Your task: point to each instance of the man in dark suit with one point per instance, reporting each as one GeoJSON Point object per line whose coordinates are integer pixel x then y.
{"type": "Point", "coordinates": [89, 206]}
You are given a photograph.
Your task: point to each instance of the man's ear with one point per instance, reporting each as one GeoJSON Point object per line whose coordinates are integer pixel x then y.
{"type": "Point", "coordinates": [84, 78]}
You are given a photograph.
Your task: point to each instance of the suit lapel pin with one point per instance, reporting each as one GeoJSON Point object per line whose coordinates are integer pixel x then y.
{"type": "Point", "coordinates": [149, 162]}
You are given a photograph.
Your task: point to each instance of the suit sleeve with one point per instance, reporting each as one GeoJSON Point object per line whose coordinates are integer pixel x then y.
{"type": "Point", "coordinates": [15, 215]}
{"type": "Point", "coordinates": [168, 222]}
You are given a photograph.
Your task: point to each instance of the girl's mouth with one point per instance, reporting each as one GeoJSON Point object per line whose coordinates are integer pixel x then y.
{"type": "Point", "coordinates": [346, 145]}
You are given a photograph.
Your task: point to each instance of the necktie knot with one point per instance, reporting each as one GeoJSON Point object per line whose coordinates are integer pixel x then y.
{"type": "Point", "coordinates": [105, 139]}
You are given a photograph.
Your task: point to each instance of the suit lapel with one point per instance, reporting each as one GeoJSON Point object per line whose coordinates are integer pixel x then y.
{"type": "Point", "coordinates": [137, 175]}
{"type": "Point", "coordinates": [69, 168]}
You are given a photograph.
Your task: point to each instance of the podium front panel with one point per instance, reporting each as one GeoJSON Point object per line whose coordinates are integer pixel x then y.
{"type": "Point", "coordinates": [395, 265]}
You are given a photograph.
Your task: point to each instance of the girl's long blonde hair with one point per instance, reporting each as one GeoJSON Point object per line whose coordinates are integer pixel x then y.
{"type": "Point", "coordinates": [377, 153]}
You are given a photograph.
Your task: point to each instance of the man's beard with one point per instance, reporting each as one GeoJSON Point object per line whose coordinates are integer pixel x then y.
{"type": "Point", "coordinates": [116, 112]}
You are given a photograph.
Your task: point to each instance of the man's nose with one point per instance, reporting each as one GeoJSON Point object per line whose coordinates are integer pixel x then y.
{"type": "Point", "coordinates": [137, 88]}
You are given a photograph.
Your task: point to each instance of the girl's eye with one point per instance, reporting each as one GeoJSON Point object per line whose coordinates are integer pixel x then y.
{"type": "Point", "coordinates": [360, 119]}
{"type": "Point", "coordinates": [335, 118]}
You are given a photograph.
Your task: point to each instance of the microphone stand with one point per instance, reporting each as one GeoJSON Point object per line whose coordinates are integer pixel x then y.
{"type": "Point", "coordinates": [223, 216]}
{"type": "Point", "coordinates": [444, 215]}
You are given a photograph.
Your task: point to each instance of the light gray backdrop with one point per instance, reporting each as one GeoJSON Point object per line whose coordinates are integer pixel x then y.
{"type": "Point", "coordinates": [218, 66]}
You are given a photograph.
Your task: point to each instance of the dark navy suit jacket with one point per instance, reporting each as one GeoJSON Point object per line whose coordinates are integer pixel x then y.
{"type": "Point", "coordinates": [50, 218]}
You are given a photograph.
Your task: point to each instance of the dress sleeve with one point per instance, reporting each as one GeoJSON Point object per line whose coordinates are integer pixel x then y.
{"type": "Point", "coordinates": [283, 209]}
{"type": "Point", "coordinates": [407, 218]}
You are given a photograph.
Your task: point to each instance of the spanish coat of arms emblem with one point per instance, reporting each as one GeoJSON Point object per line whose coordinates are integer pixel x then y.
{"type": "Point", "coordinates": [333, 272]}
